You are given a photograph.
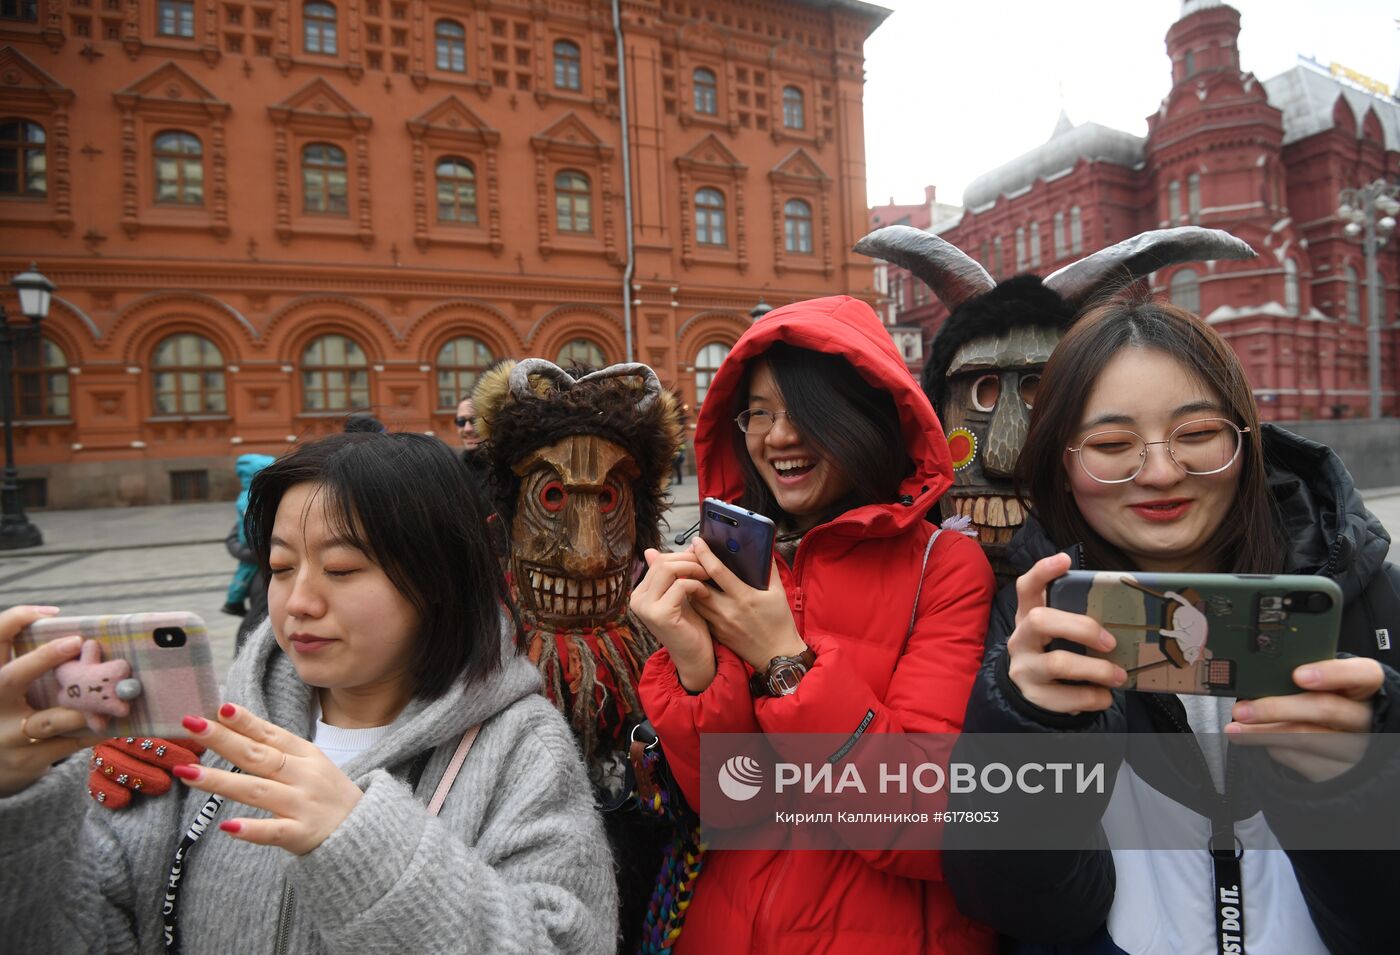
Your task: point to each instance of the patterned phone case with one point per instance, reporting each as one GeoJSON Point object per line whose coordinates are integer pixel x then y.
{"type": "Point", "coordinates": [1212, 634]}
{"type": "Point", "coordinates": [175, 680]}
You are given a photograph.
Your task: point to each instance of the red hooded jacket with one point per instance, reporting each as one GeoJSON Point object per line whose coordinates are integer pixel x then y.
{"type": "Point", "coordinates": [851, 586]}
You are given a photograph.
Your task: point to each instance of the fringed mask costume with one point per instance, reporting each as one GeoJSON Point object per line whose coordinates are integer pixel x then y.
{"type": "Point", "coordinates": [985, 361]}
{"type": "Point", "coordinates": [579, 467]}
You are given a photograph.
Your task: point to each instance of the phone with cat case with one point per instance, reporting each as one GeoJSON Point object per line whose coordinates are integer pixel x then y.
{"type": "Point", "coordinates": [1235, 635]}
{"type": "Point", "coordinates": [166, 654]}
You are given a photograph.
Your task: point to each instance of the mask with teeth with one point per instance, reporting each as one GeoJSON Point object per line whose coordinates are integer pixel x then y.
{"type": "Point", "coordinates": [579, 465]}
{"type": "Point", "coordinates": [984, 363]}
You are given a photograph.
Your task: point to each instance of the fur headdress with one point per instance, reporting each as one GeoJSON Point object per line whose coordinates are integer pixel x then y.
{"type": "Point", "coordinates": [523, 406]}
{"type": "Point", "coordinates": [978, 306]}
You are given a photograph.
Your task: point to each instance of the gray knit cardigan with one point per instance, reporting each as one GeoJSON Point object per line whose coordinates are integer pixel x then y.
{"type": "Point", "coordinates": [516, 861]}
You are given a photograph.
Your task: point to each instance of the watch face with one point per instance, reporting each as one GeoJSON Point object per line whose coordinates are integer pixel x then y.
{"type": "Point", "coordinates": [784, 677]}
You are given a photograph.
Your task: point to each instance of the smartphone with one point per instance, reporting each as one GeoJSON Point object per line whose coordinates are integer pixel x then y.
{"type": "Point", "coordinates": [169, 658]}
{"type": "Point", "coordinates": [740, 538]}
{"type": "Point", "coordinates": [1238, 635]}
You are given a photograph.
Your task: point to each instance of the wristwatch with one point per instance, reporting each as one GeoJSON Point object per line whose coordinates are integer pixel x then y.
{"type": "Point", "coordinates": [781, 676]}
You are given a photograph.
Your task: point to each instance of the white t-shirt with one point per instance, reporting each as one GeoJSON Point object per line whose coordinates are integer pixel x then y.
{"type": "Point", "coordinates": [340, 744]}
{"type": "Point", "coordinates": [1163, 901]}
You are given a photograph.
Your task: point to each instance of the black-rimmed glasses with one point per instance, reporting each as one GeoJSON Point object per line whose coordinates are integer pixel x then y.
{"type": "Point", "coordinates": [1200, 447]}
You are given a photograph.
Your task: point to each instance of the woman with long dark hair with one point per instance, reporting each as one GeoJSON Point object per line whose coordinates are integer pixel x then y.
{"type": "Point", "coordinates": [1146, 455]}
{"type": "Point", "coordinates": [871, 624]}
{"type": "Point", "coordinates": [385, 776]}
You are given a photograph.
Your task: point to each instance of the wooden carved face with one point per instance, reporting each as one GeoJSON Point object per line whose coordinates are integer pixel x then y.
{"type": "Point", "coordinates": [574, 532]}
{"type": "Point", "coordinates": [991, 389]}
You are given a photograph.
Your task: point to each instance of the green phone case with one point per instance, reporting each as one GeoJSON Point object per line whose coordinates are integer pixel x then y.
{"type": "Point", "coordinates": [1235, 635]}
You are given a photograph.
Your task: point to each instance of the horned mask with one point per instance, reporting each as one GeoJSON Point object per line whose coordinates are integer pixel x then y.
{"type": "Point", "coordinates": [985, 361]}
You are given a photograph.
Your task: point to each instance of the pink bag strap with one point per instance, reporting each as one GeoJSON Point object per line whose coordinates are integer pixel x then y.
{"type": "Point", "coordinates": [453, 768]}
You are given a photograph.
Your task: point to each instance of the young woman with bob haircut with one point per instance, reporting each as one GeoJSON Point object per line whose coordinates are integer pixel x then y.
{"type": "Point", "coordinates": [387, 652]}
{"type": "Point", "coordinates": [1146, 454]}
{"type": "Point", "coordinates": [814, 421]}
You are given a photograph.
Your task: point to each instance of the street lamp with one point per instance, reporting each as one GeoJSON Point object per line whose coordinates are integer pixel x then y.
{"type": "Point", "coordinates": [1369, 212]}
{"type": "Point", "coordinates": [35, 293]}
{"type": "Point", "coordinates": [760, 310]}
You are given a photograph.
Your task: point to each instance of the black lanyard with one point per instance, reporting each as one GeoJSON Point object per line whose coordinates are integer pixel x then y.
{"type": "Point", "coordinates": [170, 908]}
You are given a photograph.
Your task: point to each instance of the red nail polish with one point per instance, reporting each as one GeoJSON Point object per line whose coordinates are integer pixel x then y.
{"type": "Point", "coordinates": [186, 771]}
{"type": "Point", "coordinates": [195, 724]}
{"type": "Point", "coordinates": [227, 710]}
{"type": "Point", "coordinates": [231, 825]}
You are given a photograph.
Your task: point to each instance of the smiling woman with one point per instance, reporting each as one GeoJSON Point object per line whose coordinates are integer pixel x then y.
{"type": "Point", "coordinates": [871, 621]}
{"type": "Point", "coordinates": [384, 675]}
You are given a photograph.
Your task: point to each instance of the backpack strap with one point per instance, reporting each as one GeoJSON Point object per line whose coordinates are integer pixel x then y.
{"type": "Point", "coordinates": [913, 614]}
{"type": "Point", "coordinates": [449, 775]}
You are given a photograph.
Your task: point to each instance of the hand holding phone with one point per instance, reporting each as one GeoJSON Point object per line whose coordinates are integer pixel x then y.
{"type": "Point", "coordinates": [31, 738]}
{"type": "Point", "coordinates": [135, 675]}
{"type": "Point", "coordinates": [1042, 658]}
{"type": "Point", "coordinates": [1232, 635]}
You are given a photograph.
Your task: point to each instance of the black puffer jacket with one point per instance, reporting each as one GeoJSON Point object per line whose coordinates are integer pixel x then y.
{"type": "Point", "coordinates": [1063, 897]}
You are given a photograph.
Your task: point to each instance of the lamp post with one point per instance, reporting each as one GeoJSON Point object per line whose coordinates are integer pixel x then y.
{"type": "Point", "coordinates": [35, 293]}
{"type": "Point", "coordinates": [1369, 212]}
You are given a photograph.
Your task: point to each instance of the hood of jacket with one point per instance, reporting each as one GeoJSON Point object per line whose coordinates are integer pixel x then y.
{"type": "Point", "coordinates": [249, 465]}
{"type": "Point", "coordinates": [837, 325]}
{"type": "Point", "coordinates": [1329, 530]}
{"type": "Point", "coordinates": [263, 679]}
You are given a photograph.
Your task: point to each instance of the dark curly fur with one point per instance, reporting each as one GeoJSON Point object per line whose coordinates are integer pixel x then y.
{"type": "Point", "coordinates": [1022, 300]}
{"type": "Point", "coordinates": [607, 408]}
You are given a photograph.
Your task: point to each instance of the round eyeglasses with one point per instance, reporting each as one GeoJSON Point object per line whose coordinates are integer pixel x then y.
{"type": "Point", "coordinates": [761, 420]}
{"type": "Point", "coordinates": [1204, 446]}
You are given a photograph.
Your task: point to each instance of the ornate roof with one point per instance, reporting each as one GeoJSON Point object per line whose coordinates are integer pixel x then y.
{"type": "Point", "coordinates": [1307, 99]}
{"type": "Point", "coordinates": [1066, 146]}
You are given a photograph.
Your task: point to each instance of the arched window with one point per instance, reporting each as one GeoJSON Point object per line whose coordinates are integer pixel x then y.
{"type": "Point", "coordinates": [1291, 298]}
{"type": "Point", "coordinates": [451, 44]}
{"type": "Point", "coordinates": [1035, 245]}
{"type": "Point", "coordinates": [1173, 204]}
{"type": "Point", "coordinates": [568, 65]}
{"type": "Point", "coordinates": [1193, 197]}
{"type": "Point", "coordinates": [179, 161]}
{"type": "Point", "coordinates": [996, 255]}
{"type": "Point", "coordinates": [1353, 296]}
{"type": "Point", "coordinates": [41, 379]}
{"type": "Point", "coordinates": [1184, 289]}
{"type": "Point", "coordinates": [709, 217]}
{"type": "Point", "coordinates": [1020, 247]}
{"type": "Point", "coordinates": [187, 372]}
{"type": "Point", "coordinates": [1076, 231]}
{"type": "Point", "coordinates": [325, 182]}
{"type": "Point", "coordinates": [334, 375]}
{"type": "Point", "coordinates": [794, 109]}
{"type": "Point", "coordinates": [1059, 230]}
{"type": "Point", "coordinates": [582, 352]}
{"type": "Point", "coordinates": [573, 202]}
{"type": "Point", "coordinates": [23, 160]}
{"type": "Point", "coordinates": [707, 362]}
{"type": "Point", "coordinates": [456, 190]}
{"type": "Point", "coordinates": [318, 21]}
{"type": "Point", "coordinates": [797, 226]}
{"type": "Point", "coordinates": [175, 18]}
{"type": "Point", "coordinates": [459, 365]}
{"type": "Point", "coordinates": [706, 92]}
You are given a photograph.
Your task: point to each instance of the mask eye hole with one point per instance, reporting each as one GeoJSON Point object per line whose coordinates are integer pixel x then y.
{"type": "Point", "coordinates": [985, 392]}
{"type": "Point", "coordinates": [607, 500]}
{"type": "Point", "coordinates": [1029, 385]}
{"type": "Point", "coordinates": [553, 496]}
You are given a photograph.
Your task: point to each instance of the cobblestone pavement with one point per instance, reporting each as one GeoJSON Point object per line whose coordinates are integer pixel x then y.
{"type": "Point", "coordinates": [125, 560]}
{"type": "Point", "coordinates": [171, 557]}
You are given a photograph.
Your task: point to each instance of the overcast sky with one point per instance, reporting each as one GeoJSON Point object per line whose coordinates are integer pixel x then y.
{"type": "Point", "coordinates": [955, 88]}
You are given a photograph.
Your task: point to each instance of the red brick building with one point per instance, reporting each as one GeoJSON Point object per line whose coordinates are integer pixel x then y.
{"type": "Point", "coordinates": [263, 214]}
{"type": "Point", "coordinates": [1263, 160]}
